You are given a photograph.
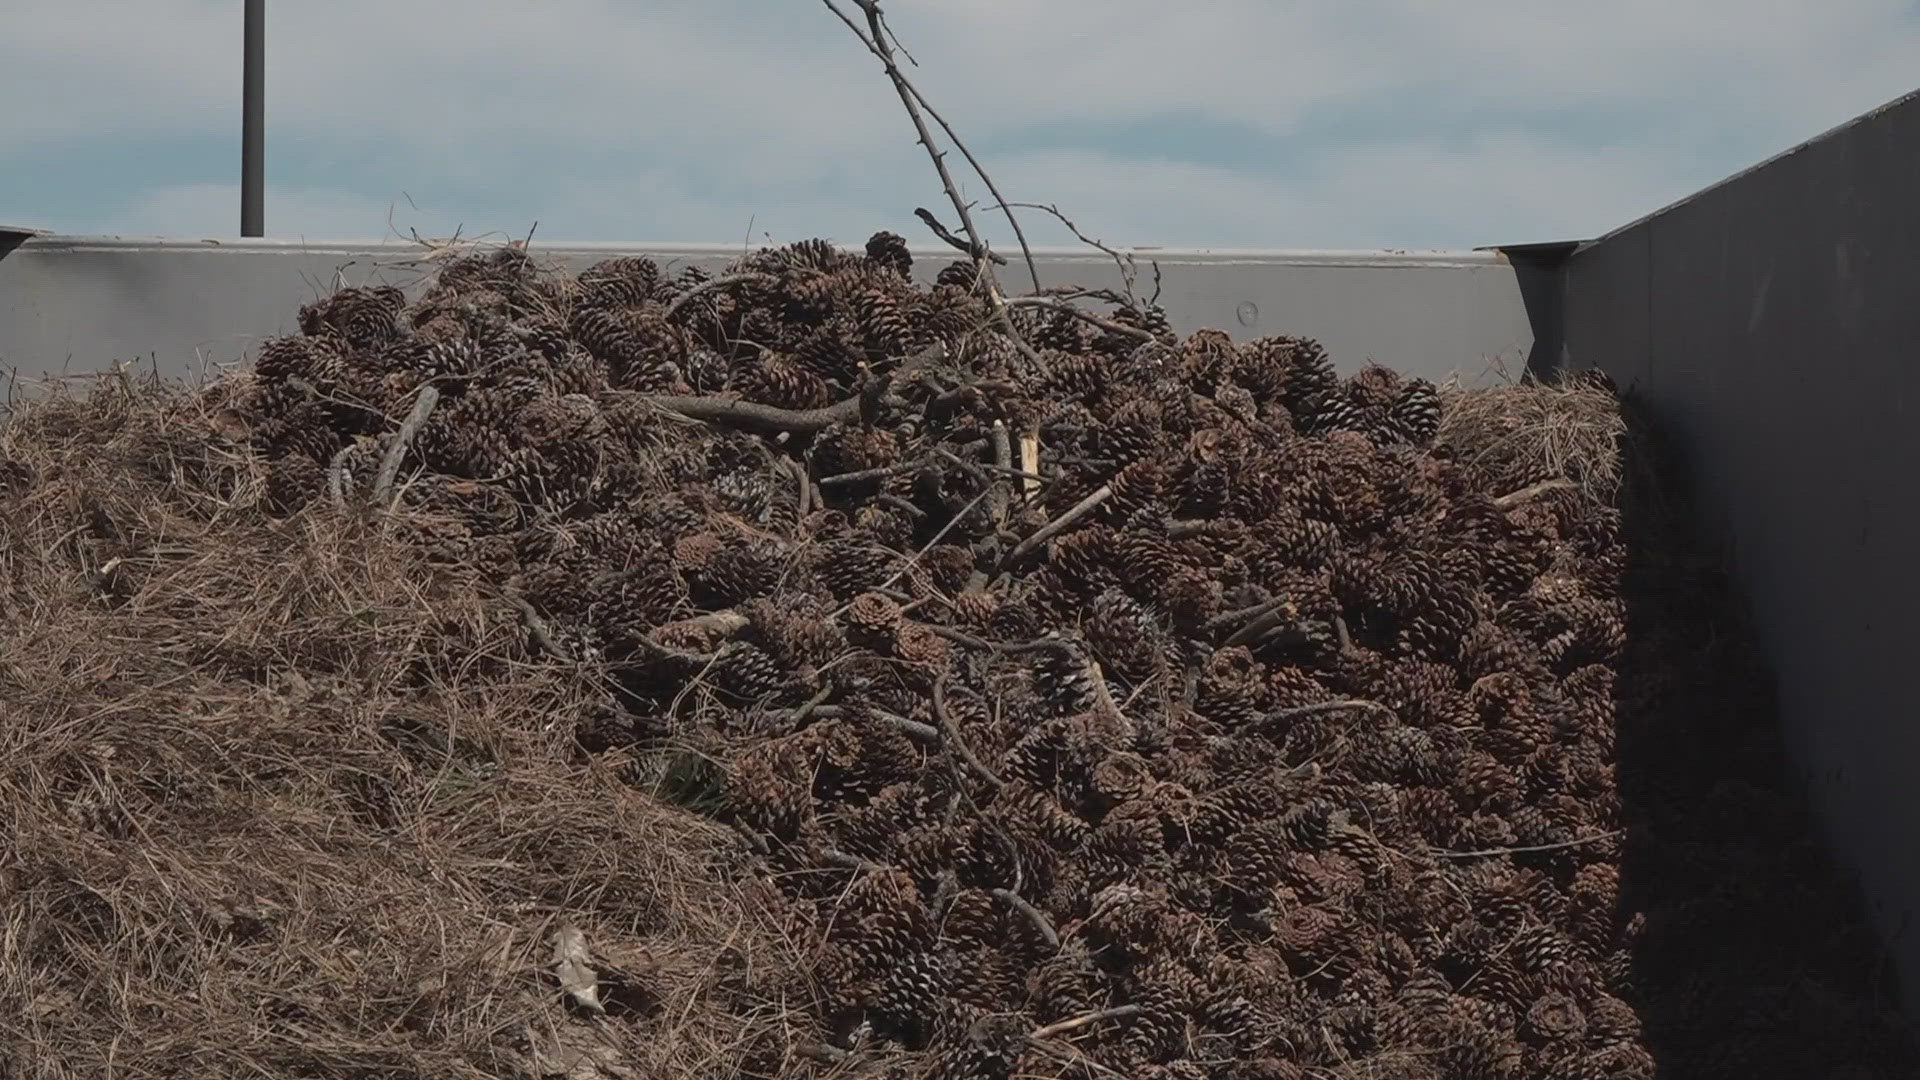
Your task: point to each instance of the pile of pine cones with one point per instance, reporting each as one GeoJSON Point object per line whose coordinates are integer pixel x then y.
{"type": "Point", "coordinates": [1293, 753]}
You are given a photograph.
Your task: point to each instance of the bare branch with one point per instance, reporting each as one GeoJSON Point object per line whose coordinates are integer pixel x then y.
{"type": "Point", "coordinates": [390, 465]}
{"type": "Point", "coordinates": [767, 418]}
{"type": "Point", "coordinates": [1033, 915]}
{"type": "Point", "coordinates": [1317, 708]}
{"type": "Point", "coordinates": [880, 473]}
{"type": "Point", "coordinates": [1118, 1012]}
{"type": "Point", "coordinates": [952, 732]}
{"type": "Point", "coordinates": [970, 249]}
{"type": "Point", "coordinates": [720, 282]}
{"type": "Point", "coordinates": [1528, 494]}
{"type": "Point", "coordinates": [875, 39]}
{"type": "Point", "coordinates": [537, 627]}
{"type": "Point", "coordinates": [1492, 852]}
{"type": "Point", "coordinates": [1060, 524]}
{"type": "Point", "coordinates": [1108, 325]}
{"type": "Point", "coordinates": [337, 477]}
{"type": "Point", "coordinates": [1123, 262]}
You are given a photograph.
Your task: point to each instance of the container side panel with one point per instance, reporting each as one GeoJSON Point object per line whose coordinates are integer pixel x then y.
{"type": "Point", "coordinates": [81, 305]}
{"type": "Point", "coordinates": [1771, 325]}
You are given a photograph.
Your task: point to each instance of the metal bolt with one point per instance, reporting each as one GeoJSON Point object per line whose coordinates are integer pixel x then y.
{"type": "Point", "coordinates": [1248, 313]}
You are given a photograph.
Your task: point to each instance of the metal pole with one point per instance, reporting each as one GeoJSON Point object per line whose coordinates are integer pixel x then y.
{"type": "Point", "coordinates": [253, 123]}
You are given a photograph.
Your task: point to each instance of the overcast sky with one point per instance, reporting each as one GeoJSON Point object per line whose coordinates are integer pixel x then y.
{"type": "Point", "coordinates": [1225, 123]}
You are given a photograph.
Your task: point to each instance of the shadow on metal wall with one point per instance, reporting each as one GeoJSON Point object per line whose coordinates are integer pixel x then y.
{"type": "Point", "coordinates": [1750, 955]}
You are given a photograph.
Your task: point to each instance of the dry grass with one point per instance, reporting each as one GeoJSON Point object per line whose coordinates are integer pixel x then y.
{"type": "Point", "coordinates": [278, 798]}
{"type": "Point", "coordinates": [1521, 433]}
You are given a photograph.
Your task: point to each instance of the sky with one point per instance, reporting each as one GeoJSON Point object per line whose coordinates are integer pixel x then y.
{"type": "Point", "coordinates": [1212, 123]}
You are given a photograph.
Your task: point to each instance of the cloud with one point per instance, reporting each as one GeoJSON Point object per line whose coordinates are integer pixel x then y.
{"type": "Point", "coordinates": [1244, 122]}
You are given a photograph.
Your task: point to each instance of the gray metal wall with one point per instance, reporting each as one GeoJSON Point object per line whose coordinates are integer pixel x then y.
{"type": "Point", "coordinates": [1773, 324]}
{"type": "Point", "coordinates": [78, 304]}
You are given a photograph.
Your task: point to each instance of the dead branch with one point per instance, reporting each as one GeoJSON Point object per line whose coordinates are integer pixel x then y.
{"type": "Point", "coordinates": [1494, 852]}
{"type": "Point", "coordinates": [1231, 618]}
{"type": "Point", "coordinates": [337, 477]}
{"type": "Point", "coordinates": [1055, 304]}
{"type": "Point", "coordinates": [1124, 263]}
{"type": "Point", "coordinates": [1317, 708]}
{"type": "Point", "coordinates": [970, 250]}
{"type": "Point", "coordinates": [875, 39]}
{"type": "Point", "coordinates": [720, 282]}
{"type": "Point", "coordinates": [806, 491]}
{"type": "Point", "coordinates": [1013, 222]}
{"type": "Point", "coordinates": [1060, 524]}
{"type": "Point", "coordinates": [1530, 493]}
{"type": "Point", "coordinates": [1061, 1027]}
{"type": "Point", "coordinates": [952, 733]}
{"type": "Point", "coordinates": [880, 473]}
{"type": "Point", "coordinates": [538, 629]}
{"type": "Point", "coordinates": [1262, 623]}
{"type": "Point", "coordinates": [390, 465]}
{"type": "Point", "coordinates": [767, 418]}
{"type": "Point", "coordinates": [1033, 915]}
{"type": "Point", "coordinates": [914, 728]}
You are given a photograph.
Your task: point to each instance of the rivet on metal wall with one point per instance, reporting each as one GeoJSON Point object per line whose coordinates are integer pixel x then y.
{"type": "Point", "coordinates": [1248, 313]}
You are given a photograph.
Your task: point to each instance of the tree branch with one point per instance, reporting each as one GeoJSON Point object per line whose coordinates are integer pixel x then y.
{"type": "Point", "coordinates": [1060, 524]}
{"type": "Point", "coordinates": [875, 39]}
{"type": "Point", "coordinates": [720, 282]}
{"type": "Point", "coordinates": [390, 465]}
{"type": "Point", "coordinates": [767, 418]}
{"type": "Point", "coordinates": [1033, 915]}
{"type": "Point", "coordinates": [1057, 304]}
{"type": "Point", "coordinates": [1492, 852]}
{"type": "Point", "coordinates": [1118, 1012]}
{"type": "Point", "coordinates": [952, 732]}
{"type": "Point", "coordinates": [968, 248]}
{"type": "Point", "coordinates": [1124, 263]}
{"type": "Point", "coordinates": [1528, 494]}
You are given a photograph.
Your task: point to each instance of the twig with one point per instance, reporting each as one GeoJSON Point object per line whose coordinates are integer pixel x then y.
{"type": "Point", "coordinates": [905, 506]}
{"type": "Point", "coordinates": [1229, 618]}
{"type": "Point", "coordinates": [915, 560]}
{"type": "Point", "coordinates": [1013, 221]}
{"type": "Point", "coordinates": [1261, 626]}
{"type": "Point", "coordinates": [1493, 852]}
{"type": "Point", "coordinates": [1085, 316]}
{"type": "Point", "coordinates": [806, 491]}
{"type": "Point", "coordinates": [800, 714]}
{"type": "Point", "coordinates": [1061, 1027]}
{"type": "Point", "coordinates": [536, 626]}
{"type": "Point", "coordinates": [875, 39]}
{"type": "Point", "coordinates": [1125, 264]}
{"type": "Point", "coordinates": [880, 473]}
{"type": "Point", "coordinates": [720, 282]}
{"type": "Point", "coordinates": [1531, 492]}
{"type": "Point", "coordinates": [914, 728]}
{"type": "Point", "coordinates": [970, 250]}
{"type": "Point", "coordinates": [820, 1052]}
{"type": "Point", "coordinates": [1342, 634]}
{"type": "Point", "coordinates": [766, 418]}
{"type": "Point", "coordinates": [1033, 915]}
{"type": "Point", "coordinates": [748, 414]}
{"type": "Point", "coordinates": [1060, 524]}
{"type": "Point", "coordinates": [390, 465]}
{"type": "Point", "coordinates": [337, 477]}
{"type": "Point", "coordinates": [1317, 708]}
{"type": "Point", "coordinates": [952, 732]}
